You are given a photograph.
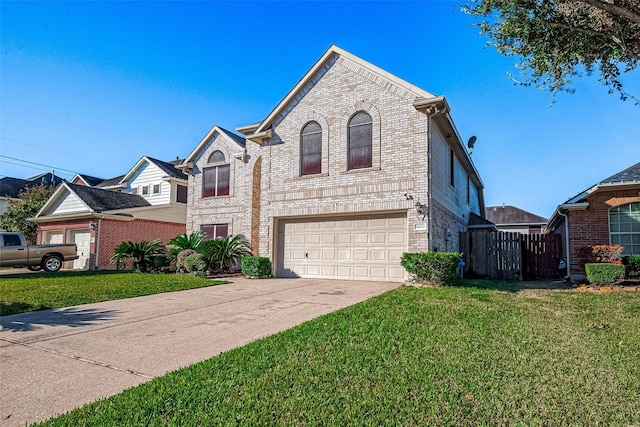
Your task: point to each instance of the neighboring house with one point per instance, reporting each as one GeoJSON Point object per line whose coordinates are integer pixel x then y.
{"type": "Point", "coordinates": [515, 220]}
{"type": "Point", "coordinates": [10, 188]}
{"type": "Point", "coordinates": [88, 180]}
{"type": "Point", "coordinates": [607, 213]}
{"type": "Point", "coordinates": [352, 168]}
{"type": "Point", "coordinates": [147, 203]}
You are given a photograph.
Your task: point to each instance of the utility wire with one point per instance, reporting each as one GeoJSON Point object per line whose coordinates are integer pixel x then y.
{"type": "Point", "coordinates": [38, 164]}
{"type": "Point", "coordinates": [36, 168]}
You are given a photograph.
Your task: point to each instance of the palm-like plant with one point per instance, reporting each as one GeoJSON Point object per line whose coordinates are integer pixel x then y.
{"type": "Point", "coordinates": [192, 240]}
{"type": "Point", "coordinates": [223, 254]}
{"type": "Point", "coordinates": [141, 252]}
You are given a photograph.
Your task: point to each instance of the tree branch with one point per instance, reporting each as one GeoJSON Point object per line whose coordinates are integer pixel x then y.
{"type": "Point", "coordinates": [614, 39]}
{"type": "Point", "coordinates": [614, 9]}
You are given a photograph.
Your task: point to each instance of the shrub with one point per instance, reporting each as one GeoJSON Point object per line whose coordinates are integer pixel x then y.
{"type": "Point", "coordinates": [180, 259]}
{"type": "Point", "coordinates": [604, 274]}
{"type": "Point", "coordinates": [632, 266]}
{"type": "Point", "coordinates": [256, 267]}
{"type": "Point", "coordinates": [600, 253]}
{"type": "Point", "coordinates": [160, 264]}
{"type": "Point", "coordinates": [438, 268]}
{"type": "Point", "coordinates": [195, 263]}
{"type": "Point", "coordinates": [223, 253]}
{"type": "Point", "coordinates": [142, 253]}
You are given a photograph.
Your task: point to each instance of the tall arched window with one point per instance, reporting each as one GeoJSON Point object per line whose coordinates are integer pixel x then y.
{"type": "Point", "coordinates": [311, 149]}
{"type": "Point", "coordinates": [215, 176]}
{"type": "Point", "coordinates": [624, 227]}
{"type": "Point", "coordinates": [360, 141]}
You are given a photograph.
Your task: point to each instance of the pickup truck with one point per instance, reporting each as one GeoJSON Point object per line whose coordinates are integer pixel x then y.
{"type": "Point", "coordinates": [14, 252]}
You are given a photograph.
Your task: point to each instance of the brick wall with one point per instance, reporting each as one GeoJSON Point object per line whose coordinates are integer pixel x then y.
{"type": "Point", "coordinates": [113, 232]}
{"type": "Point", "coordinates": [591, 226]}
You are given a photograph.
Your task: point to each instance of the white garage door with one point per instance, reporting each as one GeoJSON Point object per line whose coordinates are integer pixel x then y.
{"type": "Point", "coordinates": [355, 248]}
{"type": "Point", "coordinates": [82, 239]}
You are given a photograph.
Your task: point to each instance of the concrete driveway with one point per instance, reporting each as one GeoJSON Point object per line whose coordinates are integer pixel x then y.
{"type": "Point", "coordinates": [53, 361]}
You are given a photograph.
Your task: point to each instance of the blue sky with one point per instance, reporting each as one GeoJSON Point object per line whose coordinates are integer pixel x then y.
{"type": "Point", "coordinates": [91, 87]}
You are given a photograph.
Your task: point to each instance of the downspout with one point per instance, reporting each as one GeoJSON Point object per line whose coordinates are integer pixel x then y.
{"type": "Point", "coordinates": [429, 185]}
{"type": "Point", "coordinates": [566, 238]}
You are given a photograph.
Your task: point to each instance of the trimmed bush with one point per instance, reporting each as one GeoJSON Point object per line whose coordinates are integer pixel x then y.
{"type": "Point", "coordinates": [604, 274]}
{"type": "Point", "coordinates": [181, 257]}
{"type": "Point", "coordinates": [195, 263]}
{"type": "Point", "coordinates": [256, 267]}
{"type": "Point", "coordinates": [632, 265]}
{"type": "Point", "coordinates": [437, 268]}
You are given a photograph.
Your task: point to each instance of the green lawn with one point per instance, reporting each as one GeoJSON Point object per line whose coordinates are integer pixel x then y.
{"type": "Point", "coordinates": [451, 356]}
{"type": "Point", "coordinates": [40, 291]}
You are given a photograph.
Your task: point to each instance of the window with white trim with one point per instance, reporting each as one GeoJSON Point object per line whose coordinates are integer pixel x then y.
{"type": "Point", "coordinates": [156, 188]}
{"type": "Point", "coordinates": [624, 227]}
{"type": "Point", "coordinates": [215, 179]}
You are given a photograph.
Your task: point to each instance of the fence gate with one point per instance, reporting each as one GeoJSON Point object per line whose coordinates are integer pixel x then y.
{"type": "Point", "coordinates": [503, 255]}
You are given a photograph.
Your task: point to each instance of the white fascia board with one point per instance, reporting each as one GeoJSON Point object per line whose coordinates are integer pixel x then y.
{"type": "Point", "coordinates": [133, 170]}
{"type": "Point", "coordinates": [58, 193]}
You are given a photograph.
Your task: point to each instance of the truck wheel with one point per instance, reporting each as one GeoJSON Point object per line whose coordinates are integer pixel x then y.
{"type": "Point", "coordinates": [51, 263]}
{"type": "Point", "coordinates": [34, 268]}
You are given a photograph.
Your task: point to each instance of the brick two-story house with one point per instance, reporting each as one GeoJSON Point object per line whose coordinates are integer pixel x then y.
{"type": "Point", "coordinates": [352, 168]}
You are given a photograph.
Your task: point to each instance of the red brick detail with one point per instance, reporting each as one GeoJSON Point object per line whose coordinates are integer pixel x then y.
{"type": "Point", "coordinates": [107, 234]}
{"type": "Point", "coordinates": [591, 226]}
{"type": "Point", "coordinates": [113, 232]}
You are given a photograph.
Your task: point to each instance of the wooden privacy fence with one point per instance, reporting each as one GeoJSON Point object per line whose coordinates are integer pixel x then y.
{"type": "Point", "coordinates": [511, 256]}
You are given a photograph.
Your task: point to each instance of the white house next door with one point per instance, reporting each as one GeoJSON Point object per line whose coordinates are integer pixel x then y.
{"type": "Point", "coordinates": [354, 248]}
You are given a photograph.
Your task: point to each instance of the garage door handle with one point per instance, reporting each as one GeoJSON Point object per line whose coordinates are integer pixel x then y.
{"type": "Point", "coordinates": [306, 254]}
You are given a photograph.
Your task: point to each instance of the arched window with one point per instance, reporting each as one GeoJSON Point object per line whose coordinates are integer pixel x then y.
{"type": "Point", "coordinates": [624, 227]}
{"type": "Point", "coordinates": [311, 149]}
{"type": "Point", "coordinates": [215, 178]}
{"type": "Point", "coordinates": [360, 141]}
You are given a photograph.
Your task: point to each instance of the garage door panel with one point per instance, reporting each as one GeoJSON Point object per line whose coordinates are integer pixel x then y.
{"type": "Point", "coordinates": [347, 248]}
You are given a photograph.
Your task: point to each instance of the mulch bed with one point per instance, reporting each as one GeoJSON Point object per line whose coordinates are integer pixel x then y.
{"type": "Point", "coordinates": [625, 285]}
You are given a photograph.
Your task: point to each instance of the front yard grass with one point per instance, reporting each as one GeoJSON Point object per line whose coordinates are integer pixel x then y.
{"type": "Point", "coordinates": [21, 293]}
{"type": "Point", "coordinates": [449, 356]}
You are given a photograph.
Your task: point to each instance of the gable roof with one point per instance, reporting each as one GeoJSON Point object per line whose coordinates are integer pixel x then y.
{"type": "Point", "coordinates": [96, 200]}
{"type": "Point", "coordinates": [12, 187]}
{"type": "Point", "coordinates": [630, 174]}
{"type": "Point", "coordinates": [166, 167]}
{"type": "Point", "coordinates": [477, 222]}
{"type": "Point", "coordinates": [510, 215]}
{"type": "Point", "coordinates": [111, 182]}
{"type": "Point", "coordinates": [309, 75]}
{"type": "Point", "coordinates": [90, 180]}
{"type": "Point", "coordinates": [237, 139]}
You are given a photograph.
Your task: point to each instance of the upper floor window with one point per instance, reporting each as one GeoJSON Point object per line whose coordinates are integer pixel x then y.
{"type": "Point", "coordinates": [360, 147]}
{"type": "Point", "coordinates": [452, 168]}
{"type": "Point", "coordinates": [181, 194]}
{"type": "Point", "coordinates": [156, 188]}
{"type": "Point", "coordinates": [215, 179]}
{"type": "Point", "coordinates": [624, 227]}
{"type": "Point", "coordinates": [311, 149]}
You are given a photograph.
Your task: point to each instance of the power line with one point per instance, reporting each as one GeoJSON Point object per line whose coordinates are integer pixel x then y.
{"type": "Point", "coordinates": [35, 167]}
{"type": "Point", "coordinates": [38, 164]}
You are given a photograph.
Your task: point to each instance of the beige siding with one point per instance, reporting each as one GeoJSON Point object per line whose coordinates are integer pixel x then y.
{"type": "Point", "coordinates": [68, 203]}
{"type": "Point", "coordinates": [149, 175]}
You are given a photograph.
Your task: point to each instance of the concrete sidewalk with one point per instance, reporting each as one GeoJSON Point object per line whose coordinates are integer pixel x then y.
{"type": "Point", "coordinates": [53, 361]}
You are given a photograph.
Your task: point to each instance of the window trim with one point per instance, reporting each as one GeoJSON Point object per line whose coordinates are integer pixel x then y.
{"type": "Point", "coordinates": [370, 145]}
{"type": "Point", "coordinates": [626, 233]}
{"type": "Point", "coordinates": [302, 144]}
{"type": "Point", "coordinates": [217, 165]}
{"type": "Point", "coordinates": [215, 230]}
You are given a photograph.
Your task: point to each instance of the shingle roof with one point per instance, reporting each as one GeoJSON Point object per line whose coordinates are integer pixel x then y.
{"type": "Point", "coordinates": [91, 180]}
{"type": "Point", "coordinates": [511, 215]}
{"type": "Point", "coordinates": [476, 221]}
{"type": "Point", "coordinates": [169, 168]}
{"type": "Point", "coordinates": [237, 138]}
{"type": "Point", "coordinates": [110, 182]}
{"type": "Point", "coordinates": [12, 187]}
{"type": "Point", "coordinates": [101, 200]}
{"type": "Point", "coordinates": [630, 174]}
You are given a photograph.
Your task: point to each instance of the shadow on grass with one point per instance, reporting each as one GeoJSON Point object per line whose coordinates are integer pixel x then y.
{"type": "Point", "coordinates": [64, 273]}
{"type": "Point", "coordinates": [73, 317]}
{"type": "Point", "coordinates": [512, 285]}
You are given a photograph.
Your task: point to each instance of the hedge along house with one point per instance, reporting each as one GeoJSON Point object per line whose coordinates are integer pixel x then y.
{"type": "Point", "coordinates": [147, 203]}
{"type": "Point", "coordinates": [352, 168]}
{"type": "Point", "coordinates": [608, 213]}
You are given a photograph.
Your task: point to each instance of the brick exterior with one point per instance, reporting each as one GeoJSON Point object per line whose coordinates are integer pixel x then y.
{"type": "Point", "coordinates": [108, 233]}
{"type": "Point", "coordinates": [591, 226]}
{"type": "Point", "coordinates": [268, 186]}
